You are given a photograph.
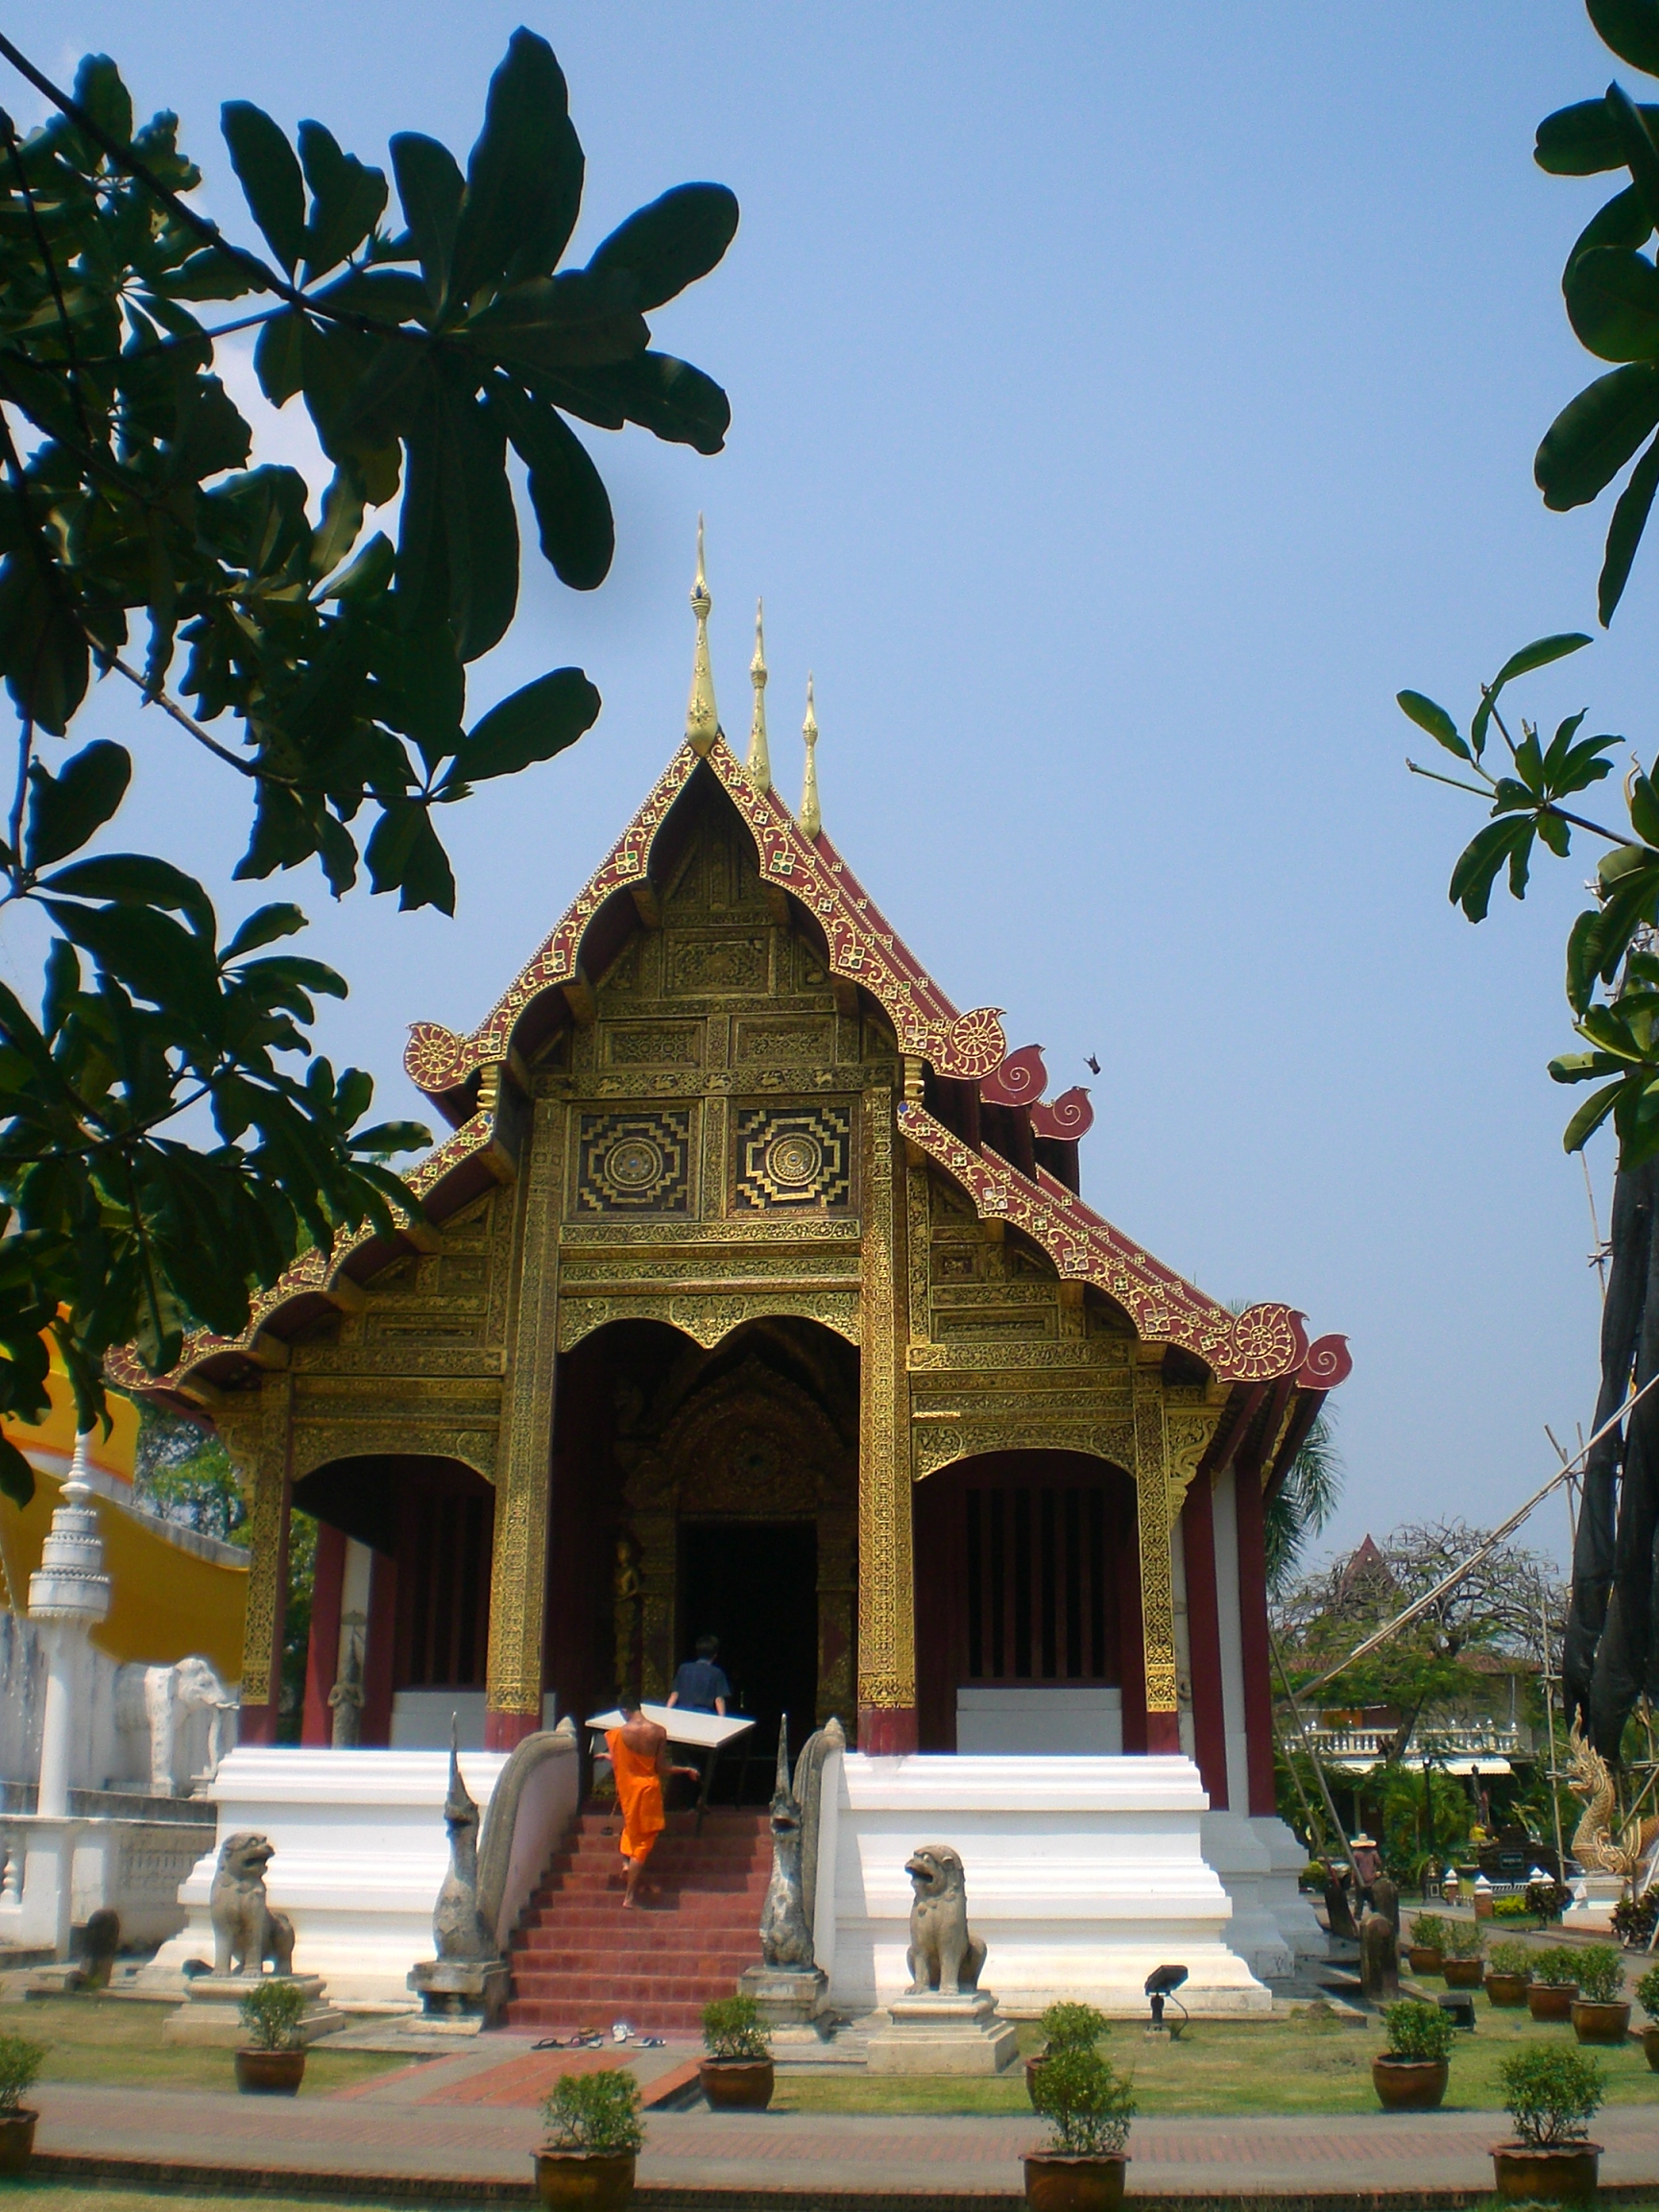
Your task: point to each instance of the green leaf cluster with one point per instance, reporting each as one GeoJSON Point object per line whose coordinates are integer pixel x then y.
{"type": "Point", "coordinates": [326, 667]}
{"type": "Point", "coordinates": [21, 2060]}
{"type": "Point", "coordinates": [594, 2112]}
{"type": "Point", "coordinates": [1551, 2093]}
{"type": "Point", "coordinates": [1611, 288]}
{"type": "Point", "coordinates": [1600, 1973]}
{"type": "Point", "coordinates": [1417, 2030]}
{"type": "Point", "coordinates": [271, 2012]}
{"type": "Point", "coordinates": [1086, 2102]}
{"type": "Point", "coordinates": [1610, 949]}
{"type": "Point", "coordinates": [732, 2029]}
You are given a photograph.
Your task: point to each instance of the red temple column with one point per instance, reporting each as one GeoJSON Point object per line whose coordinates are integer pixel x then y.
{"type": "Point", "coordinates": [323, 1652]}
{"type": "Point", "coordinates": [1204, 1639]}
{"type": "Point", "coordinates": [379, 1652]}
{"type": "Point", "coordinates": [1251, 1512]}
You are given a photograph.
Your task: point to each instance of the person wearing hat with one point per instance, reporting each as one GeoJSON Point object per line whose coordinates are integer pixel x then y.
{"type": "Point", "coordinates": [1367, 1860]}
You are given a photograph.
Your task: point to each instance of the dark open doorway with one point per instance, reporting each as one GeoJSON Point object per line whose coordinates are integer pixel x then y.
{"type": "Point", "coordinates": [755, 1585]}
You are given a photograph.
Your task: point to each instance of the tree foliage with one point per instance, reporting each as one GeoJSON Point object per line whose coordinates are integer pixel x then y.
{"type": "Point", "coordinates": [326, 667]}
{"type": "Point", "coordinates": [1304, 1500]}
{"type": "Point", "coordinates": [1426, 1671]}
{"type": "Point", "coordinates": [1611, 289]}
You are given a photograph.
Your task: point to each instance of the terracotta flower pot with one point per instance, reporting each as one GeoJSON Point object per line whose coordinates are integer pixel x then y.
{"type": "Point", "coordinates": [1033, 2067]}
{"type": "Point", "coordinates": [16, 2140]}
{"type": "Point", "coordinates": [739, 2085]}
{"type": "Point", "coordinates": [1506, 1988]}
{"type": "Point", "coordinates": [269, 2073]}
{"type": "Point", "coordinates": [1650, 2044]}
{"type": "Point", "coordinates": [585, 2181]}
{"type": "Point", "coordinates": [1464, 1973]}
{"type": "Point", "coordinates": [1060, 2181]}
{"type": "Point", "coordinates": [1557, 2175]}
{"type": "Point", "coordinates": [1424, 1957]}
{"type": "Point", "coordinates": [1550, 2000]}
{"type": "Point", "coordinates": [1599, 2023]}
{"type": "Point", "coordinates": [1409, 2084]}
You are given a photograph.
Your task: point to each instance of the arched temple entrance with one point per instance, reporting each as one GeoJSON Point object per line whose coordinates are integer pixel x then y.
{"type": "Point", "coordinates": [707, 1490]}
{"type": "Point", "coordinates": [401, 1589]}
{"type": "Point", "coordinates": [1028, 1633]}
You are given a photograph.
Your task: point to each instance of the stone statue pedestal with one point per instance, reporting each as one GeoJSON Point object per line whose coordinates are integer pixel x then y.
{"type": "Point", "coordinates": [785, 1996]}
{"type": "Point", "coordinates": [936, 2035]}
{"type": "Point", "coordinates": [462, 1989]}
{"type": "Point", "coordinates": [1594, 1897]}
{"type": "Point", "coordinates": [211, 2015]}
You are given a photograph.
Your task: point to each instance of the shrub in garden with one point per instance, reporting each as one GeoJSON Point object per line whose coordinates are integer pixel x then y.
{"type": "Point", "coordinates": [1086, 2103]}
{"type": "Point", "coordinates": [271, 2012]}
{"type": "Point", "coordinates": [1555, 1964]}
{"type": "Point", "coordinates": [1552, 2092]}
{"type": "Point", "coordinates": [1633, 1919]}
{"type": "Point", "coordinates": [20, 2062]}
{"type": "Point", "coordinates": [1547, 1900]}
{"type": "Point", "coordinates": [1647, 1993]}
{"type": "Point", "coordinates": [1428, 1932]}
{"type": "Point", "coordinates": [1512, 1908]}
{"type": "Point", "coordinates": [731, 2029]}
{"type": "Point", "coordinates": [1510, 1956]}
{"type": "Point", "coordinates": [1600, 1973]}
{"type": "Point", "coordinates": [597, 2112]}
{"type": "Point", "coordinates": [1418, 2030]}
{"type": "Point", "coordinates": [1071, 2028]}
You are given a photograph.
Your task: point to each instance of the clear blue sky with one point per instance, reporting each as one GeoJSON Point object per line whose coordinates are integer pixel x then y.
{"type": "Point", "coordinates": [1127, 401]}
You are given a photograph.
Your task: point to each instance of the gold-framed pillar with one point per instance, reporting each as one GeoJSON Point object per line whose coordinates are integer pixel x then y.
{"type": "Point", "coordinates": [518, 1561]}
{"type": "Point", "coordinates": [886, 1575]}
{"type": "Point", "coordinates": [267, 1467]}
{"type": "Point", "coordinates": [1157, 1579]}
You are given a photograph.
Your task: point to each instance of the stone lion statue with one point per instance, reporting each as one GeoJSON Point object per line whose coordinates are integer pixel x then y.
{"type": "Point", "coordinates": [944, 1956]}
{"type": "Point", "coordinates": [246, 1932]}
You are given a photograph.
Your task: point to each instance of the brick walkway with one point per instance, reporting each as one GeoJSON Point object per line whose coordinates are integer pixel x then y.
{"type": "Point", "coordinates": [460, 2122]}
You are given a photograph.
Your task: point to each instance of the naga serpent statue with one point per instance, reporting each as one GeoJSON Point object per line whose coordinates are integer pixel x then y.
{"type": "Point", "coordinates": [1594, 1844]}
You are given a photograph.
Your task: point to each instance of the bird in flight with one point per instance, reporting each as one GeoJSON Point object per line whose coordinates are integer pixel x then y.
{"type": "Point", "coordinates": [1091, 1063]}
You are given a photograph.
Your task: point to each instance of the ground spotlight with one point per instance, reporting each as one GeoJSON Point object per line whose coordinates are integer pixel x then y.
{"type": "Point", "coordinates": [1161, 1986]}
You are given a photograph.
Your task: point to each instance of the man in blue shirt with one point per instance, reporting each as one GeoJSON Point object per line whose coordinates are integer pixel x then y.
{"type": "Point", "coordinates": [700, 1684]}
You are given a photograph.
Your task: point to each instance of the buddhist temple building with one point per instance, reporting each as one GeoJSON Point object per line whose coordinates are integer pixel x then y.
{"type": "Point", "coordinates": [753, 1292]}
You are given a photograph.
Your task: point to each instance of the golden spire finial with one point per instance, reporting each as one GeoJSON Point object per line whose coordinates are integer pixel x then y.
{"type": "Point", "coordinates": [759, 758]}
{"type": "Point", "coordinates": [811, 818]}
{"type": "Point", "coordinates": [702, 722]}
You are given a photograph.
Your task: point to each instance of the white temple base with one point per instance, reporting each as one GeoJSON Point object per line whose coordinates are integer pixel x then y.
{"type": "Point", "coordinates": [1593, 1899]}
{"type": "Point", "coordinates": [1282, 1891]}
{"type": "Point", "coordinates": [1083, 1875]}
{"type": "Point", "coordinates": [360, 1852]}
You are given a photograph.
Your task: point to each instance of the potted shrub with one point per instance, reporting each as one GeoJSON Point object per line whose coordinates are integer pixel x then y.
{"type": "Point", "coordinates": [20, 2064]}
{"type": "Point", "coordinates": [1647, 1997]}
{"type": "Point", "coordinates": [272, 2062]}
{"type": "Point", "coordinates": [1551, 2094]}
{"type": "Point", "coordinates": [594, 2138]}
{"type": "Point", "coordinates": [1464, 1964]}
{"type": "Point", "coordinates": [737, 2074]}
{"type": "Point", "coordinates": [1508, 1968]}
{"type": "Point", "coordinates": [1410, 2075]}
{"type": "Point", "coordinates": [1555, 1984]}
{"type": "Point", "coordinates": [1064, 2027]}
{"type": "Point", "coordinates": [1600, 2013]}
{"type": "Point", "coordinates": [1427, 1946]}
{"type": "Point", "coordinates": [1088, 2106]}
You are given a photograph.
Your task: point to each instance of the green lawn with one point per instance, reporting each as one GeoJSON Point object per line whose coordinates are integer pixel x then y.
{"type": "Point", "coordinates": [116, 2041]}
{"type": "Point", "coordinates": [1233, 2066]}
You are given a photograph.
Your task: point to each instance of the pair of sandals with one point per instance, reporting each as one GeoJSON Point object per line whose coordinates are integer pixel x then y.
{"type": "Point", "coordinates": [596, 2039]}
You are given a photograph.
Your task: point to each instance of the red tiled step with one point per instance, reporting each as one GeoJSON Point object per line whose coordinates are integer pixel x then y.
{"type": "Point", "coordinates": [580, 1956]}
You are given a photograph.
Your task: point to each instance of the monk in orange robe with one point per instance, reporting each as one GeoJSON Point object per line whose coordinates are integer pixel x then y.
{"type": "Point", "coordinates": [639, 1762]}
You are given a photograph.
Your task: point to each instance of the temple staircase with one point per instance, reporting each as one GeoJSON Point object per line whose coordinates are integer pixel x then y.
{"type": "Point", "coordinates": [580, 1960]}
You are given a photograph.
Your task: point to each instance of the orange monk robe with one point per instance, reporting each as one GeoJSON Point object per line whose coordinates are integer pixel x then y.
{"type": "Point", "coordinates": [638, 1793]}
